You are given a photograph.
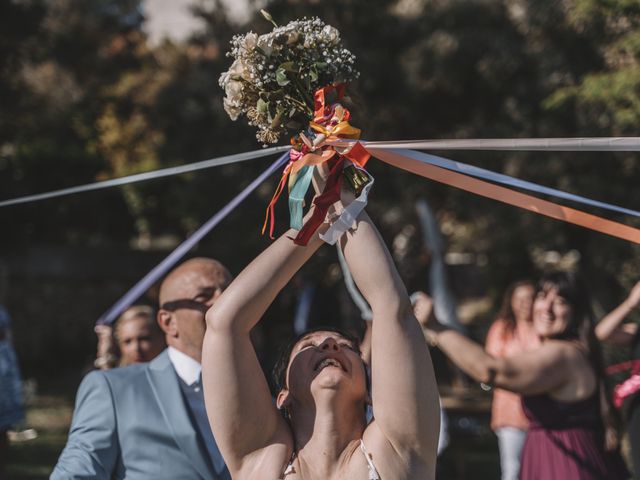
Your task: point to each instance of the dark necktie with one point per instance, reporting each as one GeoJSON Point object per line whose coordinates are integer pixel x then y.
{"type": "Point", "coordinates": [195, 400]}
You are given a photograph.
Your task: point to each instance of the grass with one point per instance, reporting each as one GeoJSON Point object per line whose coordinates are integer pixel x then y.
{"type": "Point", "coordinates": [34, 459]}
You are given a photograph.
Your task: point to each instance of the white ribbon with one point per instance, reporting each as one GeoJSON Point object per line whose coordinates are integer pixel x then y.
{"type": "Point", "coordinates": [140, 177]}
{"type": "Point", "coordinates": [347, 219]}
{"type": "Point", "coordinates": [601, 144]}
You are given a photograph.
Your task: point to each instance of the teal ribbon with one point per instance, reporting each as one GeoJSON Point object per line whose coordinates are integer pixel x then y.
{"type": "Point", "coordinates": [296, 196]}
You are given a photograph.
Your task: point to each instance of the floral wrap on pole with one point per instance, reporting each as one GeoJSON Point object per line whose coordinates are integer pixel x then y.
{"type": "Point", "coordinates": [292, 81]}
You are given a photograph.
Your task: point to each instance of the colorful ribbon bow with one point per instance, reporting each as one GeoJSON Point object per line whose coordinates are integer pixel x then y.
{"type": "Point", "coordinates": [330, 122]}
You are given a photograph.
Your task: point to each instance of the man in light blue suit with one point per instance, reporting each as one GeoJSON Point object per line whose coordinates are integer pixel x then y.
{"type": "Point", "coordinates": [148, 421]}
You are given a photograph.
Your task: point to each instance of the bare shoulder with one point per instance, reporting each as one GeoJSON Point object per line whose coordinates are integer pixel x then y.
{"type": "Point", "coordinates": [396, 461]}
{"type": "Point", "coordinates": [270, 461]}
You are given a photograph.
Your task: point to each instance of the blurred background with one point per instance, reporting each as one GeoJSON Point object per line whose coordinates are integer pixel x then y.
{"type": "Point", "coordinates": [97, 89]}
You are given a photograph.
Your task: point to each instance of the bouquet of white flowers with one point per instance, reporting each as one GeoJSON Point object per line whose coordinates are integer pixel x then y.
{"type": "Point", "coordinates": [274, 76]}
{"type": "Point", "coordinates": [282, 82]}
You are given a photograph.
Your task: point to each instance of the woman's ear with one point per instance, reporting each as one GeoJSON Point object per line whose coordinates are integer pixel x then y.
{"type": "Point", "coordinates": [283, 400]}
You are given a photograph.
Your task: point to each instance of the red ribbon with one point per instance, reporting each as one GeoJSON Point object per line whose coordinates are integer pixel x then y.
{"type": "Point", "coordinates": [330, 195]}
{"type": "Point", "coordinates": [321, 114]}
{"type": "Point", "coordinates": [633, 365]}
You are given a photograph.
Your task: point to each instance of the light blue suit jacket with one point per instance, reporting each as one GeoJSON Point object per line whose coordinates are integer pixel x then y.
{"type": "Point", "coordinates": [133, 423]}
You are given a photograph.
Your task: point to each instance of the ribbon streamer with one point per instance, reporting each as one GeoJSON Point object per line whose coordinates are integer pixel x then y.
{"type": "Point", "coordinates": [163, 267]}
{"type": "Point", "coordinates": [400, 159]}
{"type": "Point", "coordinates": [365, 311]}
{"type": "Point", "coordinates": [609, 144]}
{"type": "Point", "coordinates": [511, 181]}
{"type": "Point", "coordinates": [140, 177]}
{"type": "Point", "coordinates": [347, 219]}
{"type": "Point", "coordinates": [586, 144]}
{"type": "Point", "coordinates": [330, 122]}
{"type": "Point", "coordinates": [330, 195]}
{"type": "Point", "coordinates": [297, 194]}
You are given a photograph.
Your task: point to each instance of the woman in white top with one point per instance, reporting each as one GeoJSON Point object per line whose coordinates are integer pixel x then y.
{"type": "Point", "coordinates": [325, 434]}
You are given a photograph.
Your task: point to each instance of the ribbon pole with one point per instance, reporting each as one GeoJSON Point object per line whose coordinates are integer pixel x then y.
{"type": "Point", "coordinates": [163, 267]}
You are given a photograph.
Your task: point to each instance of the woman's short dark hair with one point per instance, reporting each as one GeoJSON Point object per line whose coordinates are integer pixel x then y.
{"type": "Point", "coordinates": [279, 373]}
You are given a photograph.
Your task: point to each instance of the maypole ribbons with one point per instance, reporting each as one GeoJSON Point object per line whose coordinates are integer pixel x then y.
{"type": "Point", "coordinates": [282, 82]}
{"type": "Point", "coordinates": [410, 161]}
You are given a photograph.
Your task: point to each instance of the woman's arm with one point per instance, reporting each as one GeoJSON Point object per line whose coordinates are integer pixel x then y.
{"type": "Point", "coordinates": [542, 370]}
{"type": "Point", "coordinates": [239, 404]}
{"type": "Point", "coordinates": [404, 390]}
{"type": "Point", "coordinates": [610, 328]}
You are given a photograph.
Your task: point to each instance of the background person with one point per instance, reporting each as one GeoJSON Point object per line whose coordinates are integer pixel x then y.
{"type": "Point", "coordinates": [134, 338]}
{"type": "Point", "coordinates": [511, 334]}
{"type": "Point", "coordinates": [11, 401]}
{"type": "Point", "coordinates": [149, 419]}
{"type": "Point", "coordinates": [611, 329]}
{"type": "Point", "coordinates": [572, 431]}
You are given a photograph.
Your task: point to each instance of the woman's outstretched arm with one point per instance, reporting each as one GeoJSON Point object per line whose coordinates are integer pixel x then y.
{"type": "Point", "coordinates": [542, 370]}
{"type": "Point", "coordinates": [610, 328]}
{"type": "Point", "coordinates": [404, 391]}
{"type": "Point", "coordinates": [239, 404]}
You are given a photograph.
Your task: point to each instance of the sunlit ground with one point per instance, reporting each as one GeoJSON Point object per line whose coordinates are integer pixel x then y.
{"type": "Point", "coordinates": [50, 416]}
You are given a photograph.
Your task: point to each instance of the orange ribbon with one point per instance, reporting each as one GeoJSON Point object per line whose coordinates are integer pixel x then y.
{"type": "Point", "coordinates": [511, 197]}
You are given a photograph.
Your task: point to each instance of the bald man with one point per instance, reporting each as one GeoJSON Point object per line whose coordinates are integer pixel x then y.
{"type": "Point", "coordinates": [149, 420]}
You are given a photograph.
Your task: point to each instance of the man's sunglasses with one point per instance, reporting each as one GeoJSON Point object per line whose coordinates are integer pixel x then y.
{"type": "Point", "coordinates": [184, 303]}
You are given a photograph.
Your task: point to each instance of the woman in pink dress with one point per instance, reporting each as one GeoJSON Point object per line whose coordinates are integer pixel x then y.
{"type": "Point", "coordinates": [511, 334]}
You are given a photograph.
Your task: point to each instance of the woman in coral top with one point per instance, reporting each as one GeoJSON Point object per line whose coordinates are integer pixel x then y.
{"type": "Point", "coordinates": [511, 334]}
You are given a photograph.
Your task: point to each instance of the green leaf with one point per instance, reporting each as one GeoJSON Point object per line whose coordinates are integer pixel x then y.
{"type": "Point", "coordinates": [281, 77]}
{"type": "Point", "coordinates": [262, 106]}
{"type": "Point", "coordinates": [289, 67]}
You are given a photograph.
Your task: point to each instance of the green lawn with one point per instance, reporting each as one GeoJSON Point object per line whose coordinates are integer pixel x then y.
{"type": "Point", "coordinates": [34, 459]}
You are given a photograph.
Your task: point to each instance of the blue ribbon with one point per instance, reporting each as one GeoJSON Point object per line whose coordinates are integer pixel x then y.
{"type": "Point", "coordinates": [163, 267]}
{"type": "Point", "coordinates": [296, 196]}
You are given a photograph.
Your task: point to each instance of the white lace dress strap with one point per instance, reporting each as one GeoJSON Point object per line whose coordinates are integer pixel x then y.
{"type": "Point", "coordinates": [373, 473]}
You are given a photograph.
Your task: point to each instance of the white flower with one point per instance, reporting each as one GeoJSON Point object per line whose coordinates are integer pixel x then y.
{"type": "Point", "coordinates": [250, 41]}
{"type": "Point", "coordinates": [232, 108]}
{"type": "Point", "coordinates": [240, 69]}
{"type": "Point", "coordinates": [233, 90]}
{"type": "Point", "coordinates": [293, 38]}
{"type": "Point", "coordinates": [224, 78]}
{"type": "Point", "coordinates": [265, 44]}
{"type": "Point", "coordinates": [330, 34]}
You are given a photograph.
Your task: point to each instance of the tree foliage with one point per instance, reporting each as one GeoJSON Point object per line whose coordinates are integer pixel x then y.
{"type": "Point", "coordinates": [86, 97]}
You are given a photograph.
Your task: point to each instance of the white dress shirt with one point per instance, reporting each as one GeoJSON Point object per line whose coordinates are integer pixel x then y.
{"type": "Point", "coordinates": [186, 367]}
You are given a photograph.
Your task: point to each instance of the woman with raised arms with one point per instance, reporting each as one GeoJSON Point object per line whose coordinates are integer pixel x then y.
{"type": "Point", "coordinates": [317, 429]}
